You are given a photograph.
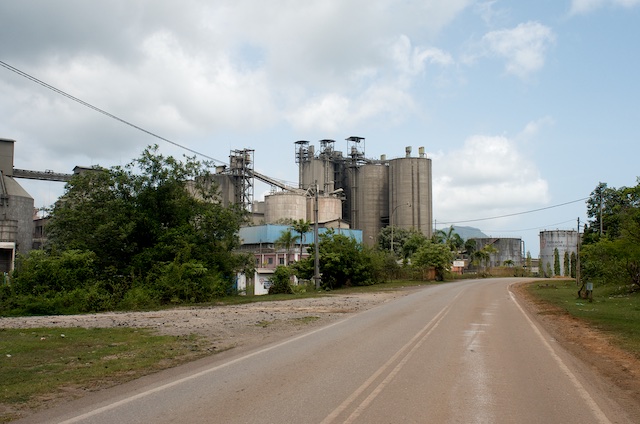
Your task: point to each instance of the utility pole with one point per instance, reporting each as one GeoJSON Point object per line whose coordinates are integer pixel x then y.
{"type": "Point", "coordinates": [316, 256]}
{"type": "Point", "coordinates": [600, 215]}
{"type": "Point", "coordinates": [578, 257]}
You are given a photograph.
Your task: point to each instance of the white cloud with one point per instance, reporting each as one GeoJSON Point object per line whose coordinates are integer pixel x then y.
{"type": "Point", "coordinates": [488, 176]}
{"type": "Point", "coordinates": [534, 127]}
{"type": "Point", "coordinates": [579, 7]}
{"type": "Point", "coordinates": [523, 47]}
{"type": "Point", "coordinates": [411, 60]}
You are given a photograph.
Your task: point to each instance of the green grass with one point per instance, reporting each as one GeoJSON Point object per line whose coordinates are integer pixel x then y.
{"type": "Point", "coordinates": [613, 310]}
{"type": "Point", "coordinates": [41, 364]}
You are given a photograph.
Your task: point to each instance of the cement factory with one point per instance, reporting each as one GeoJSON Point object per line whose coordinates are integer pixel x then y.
{"type": "Point", "coordinates": [345, 191]}
{"type": "Point", "coordinates": [353, 191]}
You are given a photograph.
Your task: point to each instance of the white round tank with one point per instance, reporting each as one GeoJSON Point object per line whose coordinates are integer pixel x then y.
{"type": "Point", "coordinates": [563, 240]}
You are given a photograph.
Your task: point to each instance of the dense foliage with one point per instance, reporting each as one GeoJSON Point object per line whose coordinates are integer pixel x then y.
{"type": "Point", "coordinates": [610, 253]}
{"type": "Point", "coordinates": [344, 262]}
{"type": "Point", "coordinates": [150, 233]}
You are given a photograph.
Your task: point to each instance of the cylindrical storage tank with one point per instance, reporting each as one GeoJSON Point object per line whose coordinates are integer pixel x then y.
{"type": "Point", "coordinates": [284, 206]}
{"type": "Point", "coordinates": [317, 170]}
{"type": "Point", "coordinates": [564, 241]}
{"type": "Point", "coordinates": [507, 249]}
{"type": "Point", "coordinates": [410, 194]}
{"type": "Point", "coordinates": [329, 209]}
{"type": "Point", "coordinates": [372, 200]}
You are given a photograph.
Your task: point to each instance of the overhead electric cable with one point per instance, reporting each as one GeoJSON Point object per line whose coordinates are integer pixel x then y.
{"type": "Point", "coordinates": [539, 227]}
{"type": "Point", "coordinates": [514, 214]}
{"type": "Point", "coordinates": [97, 109]}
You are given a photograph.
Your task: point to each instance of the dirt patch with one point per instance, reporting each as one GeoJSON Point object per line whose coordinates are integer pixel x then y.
{"type": "Point", "coordinates": [595, 348]}
{"type": "Point", "coordinates": [224, 327]}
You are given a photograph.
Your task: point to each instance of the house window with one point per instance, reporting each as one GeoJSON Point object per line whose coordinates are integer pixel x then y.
{"type": "Point", "coordinates": [270, 261]}
{"type": "Point", "coordinates": [281, 261]}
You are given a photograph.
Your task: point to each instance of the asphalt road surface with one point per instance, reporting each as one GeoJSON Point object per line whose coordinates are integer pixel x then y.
{"type": "Point", "coordinates": [463, 352]}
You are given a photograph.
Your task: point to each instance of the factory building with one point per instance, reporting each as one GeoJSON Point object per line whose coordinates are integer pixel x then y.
{"type": "Point", "coordinates": [352, 190]}
{"type": "Point", "coordinates": [16, 211]}
{"type": "Point", "coordinates": [566, 241]}
{"type": "Point", "coordinates": [377, 192]}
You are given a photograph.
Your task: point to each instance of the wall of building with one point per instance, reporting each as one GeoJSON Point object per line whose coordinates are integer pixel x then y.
{"type": "Point", "coordinates": [16, 208]}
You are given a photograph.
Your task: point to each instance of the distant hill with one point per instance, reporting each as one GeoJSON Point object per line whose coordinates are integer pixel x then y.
{"type": "Point", "coordinates": [467, 233]}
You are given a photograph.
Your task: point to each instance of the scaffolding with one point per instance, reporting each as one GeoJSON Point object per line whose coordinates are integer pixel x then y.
{"type": "Point", "coordinates": [241, 168]}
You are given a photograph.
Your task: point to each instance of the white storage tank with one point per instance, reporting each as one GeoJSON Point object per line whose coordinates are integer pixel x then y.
{"type": "Point", "coordinates": [563, 240]}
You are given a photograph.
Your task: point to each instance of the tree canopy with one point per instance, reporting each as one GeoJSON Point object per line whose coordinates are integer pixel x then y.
{"type": "Point", "coordinates": [153, 225]}
{"type": "Point", "coordinates": [610, 253]}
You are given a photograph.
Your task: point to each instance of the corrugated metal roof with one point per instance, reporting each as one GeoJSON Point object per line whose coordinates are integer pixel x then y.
{"type": "Point", "coordinates": [270, 233]}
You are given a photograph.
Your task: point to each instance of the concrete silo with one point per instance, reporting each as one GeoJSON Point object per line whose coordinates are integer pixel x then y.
{"type": "Point", "coordinates": [317, 168]}
{"type": "Point", "coordinates": [284, 206]}
{"type": "Point", "coordinates": [370, 199]}
{"type": "Point", "coordinates": [329, 209]}
{"type": "Point", "coordinates": [564, 241]}
{"type": "Point", "coordinates": [410, 193]}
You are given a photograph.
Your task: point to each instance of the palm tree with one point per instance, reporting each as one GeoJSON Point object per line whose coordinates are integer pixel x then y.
{"type": "Point", "coordinates": [451, 239]}
{"type": "Point", "coordinates": [302, 226]}
{"type": "Point", "coordinates": [489, 249]}
{"type": "Point", "coordinates": [286, 240]}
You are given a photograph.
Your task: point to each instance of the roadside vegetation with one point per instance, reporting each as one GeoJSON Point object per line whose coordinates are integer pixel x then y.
{"type": "Point", "coordinates": [38, 365]}
{"type": "Point", "coordinates": [142, 236]}
{"type": "Point", "coordinates": [609, 264]}
{"type": "Point", "coordinates": [613, 310]}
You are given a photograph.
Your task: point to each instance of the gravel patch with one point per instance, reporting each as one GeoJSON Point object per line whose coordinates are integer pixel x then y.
{"type": "Point", "coordinates": [223, 327]}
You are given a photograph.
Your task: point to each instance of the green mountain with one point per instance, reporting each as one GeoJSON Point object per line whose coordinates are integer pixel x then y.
{"type": "Point", "coordinates": [467, 233]}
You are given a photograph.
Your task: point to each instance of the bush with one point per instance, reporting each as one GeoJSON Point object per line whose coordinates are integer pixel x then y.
{"type": "Point", "coordinates": [281, 281]}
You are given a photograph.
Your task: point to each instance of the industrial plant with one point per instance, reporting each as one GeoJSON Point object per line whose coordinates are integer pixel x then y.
{"type": "Point", "coordinates": [352, 191]}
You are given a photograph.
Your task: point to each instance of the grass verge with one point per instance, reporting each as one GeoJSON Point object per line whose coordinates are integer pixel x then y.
{"type": "Point", "coordinates": [613, 309]}
{"type": "Point", "coordinates": [45, 364]}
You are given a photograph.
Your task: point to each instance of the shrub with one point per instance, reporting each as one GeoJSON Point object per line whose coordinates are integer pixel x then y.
{"type": "Point", "coordinates": [281, 281]}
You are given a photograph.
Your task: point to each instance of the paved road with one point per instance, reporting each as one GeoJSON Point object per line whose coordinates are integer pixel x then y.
{"type": "Point", "coordinates": [462, 352]}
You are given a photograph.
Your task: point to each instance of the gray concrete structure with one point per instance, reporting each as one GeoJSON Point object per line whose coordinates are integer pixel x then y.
{"type": "Point", "coordinates": [376, 191]}
{"type": "Point", "coordinates": [508, 249]}
{"type": "Point", "coordinates": [369, 206]}
{"type": "Point", "coordinates": [283, 206]}
{"type": "Point", "coordinates": [410, 197]}
{"type": "Point", "coordinates": [16, 211]}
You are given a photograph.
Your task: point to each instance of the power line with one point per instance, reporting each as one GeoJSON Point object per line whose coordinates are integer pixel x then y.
{"type": "Point", "coordinates": [514, 214]}
{"type": "Point", "coordinates": [529, 229]}
{"type": "Point", "coordinates": [102, 111]}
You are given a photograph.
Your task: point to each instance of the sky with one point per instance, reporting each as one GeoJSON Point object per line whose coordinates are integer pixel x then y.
{"type": "Point", "coordinates": [523, 107]}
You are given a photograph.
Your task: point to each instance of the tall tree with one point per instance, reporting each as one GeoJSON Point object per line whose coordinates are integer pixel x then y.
{"type": "Point", "coordinates": [302, 226]}
{"type": "Point", "coordinates": [435, 255]}
{"type": "Point", "coordinates": [146, 221]}
{"type": "Point", "coordinates": [286, 241]}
